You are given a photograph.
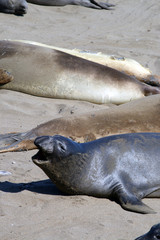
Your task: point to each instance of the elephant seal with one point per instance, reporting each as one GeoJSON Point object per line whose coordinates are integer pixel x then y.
{"type": "Point", "coordinates": [135, 116]}
{"type": "Point", "coordinates": [51, 73]}
{"type": "Point", "coordinates": [18, 7]}
{"type": "Point", "coordinates": [124, 168]}
{"type": "Point", "coordinates": [153, 234]}
{"type": "Point", "coordinates": [84, 3]}
{"type": "Point", "coordinates": [122, 64]}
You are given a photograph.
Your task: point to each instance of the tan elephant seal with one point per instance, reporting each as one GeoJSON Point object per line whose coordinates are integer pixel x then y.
{"type": "Point", "coordinates": [137, 116]}
{"type": "Point", "coordinates": [18, 7]}
{"type": "Point", "coordinates": [51, 73]}
{"type": "Point", "coordinates": [120, 63]}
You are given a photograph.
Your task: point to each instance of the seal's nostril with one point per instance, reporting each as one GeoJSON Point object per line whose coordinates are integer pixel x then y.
{"type": "Point", "coordinates": [45, 143]}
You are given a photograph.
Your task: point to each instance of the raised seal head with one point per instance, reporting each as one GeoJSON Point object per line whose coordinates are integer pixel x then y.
{"type": "Point", "coordinates": [153, 234]}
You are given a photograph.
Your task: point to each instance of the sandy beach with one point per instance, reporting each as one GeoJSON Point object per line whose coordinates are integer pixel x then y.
{"type": "Point", "coordinates": [31, 207]}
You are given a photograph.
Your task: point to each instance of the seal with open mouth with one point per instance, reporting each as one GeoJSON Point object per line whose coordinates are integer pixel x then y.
{"type": "Point", "coordinates": [124, 168]}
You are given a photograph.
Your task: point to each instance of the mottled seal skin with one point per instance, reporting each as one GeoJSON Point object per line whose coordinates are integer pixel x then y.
{"type": "Point", "coordinates": [136, 116]}
{"type": "Point", "coordinates": [51, 73]}
{"type": "Point", "coordinates": [153, 234]}
{"type": "Point", "coordinates": [124, 168]}
{"type": "Point", "coordinates": [5, 76]}
{"type": "Point", "coordinates": [18, 7]}
{"type": "Point", "coordinates": [84, 3]}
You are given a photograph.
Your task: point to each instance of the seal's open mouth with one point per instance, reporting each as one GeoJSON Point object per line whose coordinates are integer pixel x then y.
{"type": "Point", "coordinates": [39, 158]}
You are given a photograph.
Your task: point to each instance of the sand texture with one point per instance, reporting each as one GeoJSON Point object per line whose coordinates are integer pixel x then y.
{"type": "Point", "coordinates": [31, 207]}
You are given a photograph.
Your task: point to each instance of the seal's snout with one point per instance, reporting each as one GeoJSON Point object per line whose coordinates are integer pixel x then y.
{"type": "Point", "coordinates": [44, 143]}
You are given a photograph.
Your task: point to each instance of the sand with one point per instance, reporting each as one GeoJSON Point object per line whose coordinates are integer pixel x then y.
{"type": "Point", "coordinates": [31, 207]}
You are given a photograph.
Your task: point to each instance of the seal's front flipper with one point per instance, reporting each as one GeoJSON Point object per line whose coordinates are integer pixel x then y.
{"type": "Point", "coordinates": [5, 76]}
{"type": "Point", "coordinates": [133, 204]}
{"type": "Point", "coordinates": [12, 142]}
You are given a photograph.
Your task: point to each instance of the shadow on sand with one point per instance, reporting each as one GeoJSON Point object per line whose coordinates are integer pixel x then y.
{"type": "Point", "coordinates": [42, 187]}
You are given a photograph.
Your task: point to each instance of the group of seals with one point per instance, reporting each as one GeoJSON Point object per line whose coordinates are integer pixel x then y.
{"type": "Point", "coordinates": [124, 168]}
{"type": "Point", "coordinates": [47, 72]}
{"type": "Point", "coordinates": [135, 116]}
{"type": "Point", "coordinates": [153, 234]}
{"type": "Point", "coordinates": [20, 7]}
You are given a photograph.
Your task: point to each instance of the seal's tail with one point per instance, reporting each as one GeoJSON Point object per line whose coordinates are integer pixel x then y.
{"type": "Point", "coordinates": [11, 142]}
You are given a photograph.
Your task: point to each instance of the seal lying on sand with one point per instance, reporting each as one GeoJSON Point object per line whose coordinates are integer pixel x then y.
{"type": "Point", "coordinates": [122, 64]}
{"type": "Point", "coordinates": [137, 116]}
{"type": "Point", "coordinates": [18, 7]}
{"type": "Point", "coordinates": [153, 234]}
{"type": "Point", "coordinates": [124, 168]}
{"type": "Point", "coordinates": [84, 3]}
{"type": "Point", "coordinates": [51, 73]}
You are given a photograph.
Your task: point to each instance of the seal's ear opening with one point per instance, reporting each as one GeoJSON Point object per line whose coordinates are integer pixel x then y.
{"type": "Point", "coordinates": [61, 147]}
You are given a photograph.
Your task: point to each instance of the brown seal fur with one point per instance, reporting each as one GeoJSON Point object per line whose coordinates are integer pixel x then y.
{"type": "Point", "coordinates": [137, 116]}
{"type": "Point", "coordinates": [46, 72]}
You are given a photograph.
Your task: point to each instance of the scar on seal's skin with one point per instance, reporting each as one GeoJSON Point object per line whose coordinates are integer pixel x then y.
{"type": "Point", "coordinates": [5, 76]}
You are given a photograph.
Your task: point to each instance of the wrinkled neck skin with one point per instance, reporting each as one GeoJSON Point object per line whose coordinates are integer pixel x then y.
{"type": "Point", "coordinates": [81, 173]}
{"type": "Point", "coordinates": [67, 173]}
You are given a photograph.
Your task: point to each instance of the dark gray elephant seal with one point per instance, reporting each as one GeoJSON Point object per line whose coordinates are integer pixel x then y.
{"type": "Point", "coordinates": [153, 234]}
{"type": "Point", "coordinates": [18, 7]}
{"type": "Point", "coordinates": [124, 168]}
{"type": "Point", "coordinates": [84, 3]}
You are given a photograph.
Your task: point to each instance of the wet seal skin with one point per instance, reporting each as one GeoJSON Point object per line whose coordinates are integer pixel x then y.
{"type": "Point", "coordinates": [153, 234]}
{"type": "Point", "coordinates": [123, 168]}
{"type": "Point", "coordinates": [46, 72]}
{"type": "Point", "coordinates": [135, 116]}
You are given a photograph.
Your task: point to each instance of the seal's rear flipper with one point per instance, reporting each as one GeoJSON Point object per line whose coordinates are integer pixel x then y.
{"type": "Point", "coordinates": [12, 142]}
{"type": "Point", "coordinates": [133, 204]}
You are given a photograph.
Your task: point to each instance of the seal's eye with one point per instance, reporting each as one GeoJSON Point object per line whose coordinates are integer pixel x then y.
{"type": "Point", "coordinates": [157, 236]}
